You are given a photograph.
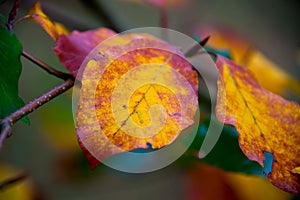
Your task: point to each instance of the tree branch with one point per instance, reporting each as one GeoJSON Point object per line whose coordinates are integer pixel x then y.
{"type": "Point", "coordinates": [12, 14]}
{"type": "Point", "coordinates": [46, 67]}
{"type": "Point", "coordinates": [7, 123]}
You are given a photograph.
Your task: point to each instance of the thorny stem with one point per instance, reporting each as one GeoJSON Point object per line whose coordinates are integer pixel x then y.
{"type": "Point", "coordinates": [7, 122]}
{"type": "Point", "coordinates": [46, 67]}
{"type": "Point", "coordinates": [13, 180]}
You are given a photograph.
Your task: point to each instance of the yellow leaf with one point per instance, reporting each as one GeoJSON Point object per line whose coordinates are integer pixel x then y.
{"type": "Point", "coordinates": [52, 28]}
{"type": "Point", "coordinates": [265, 122]}
{"type": "Point", "coordinates": [248, 187]}
{"type": "Point", "coordinates": [22, 190]}
{"type": "Point", "coordinates": [145, 97]}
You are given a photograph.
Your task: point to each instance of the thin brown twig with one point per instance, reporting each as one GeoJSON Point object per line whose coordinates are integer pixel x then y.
{"type": "Point", "coordinates": [7, 123]}
{"type": "Point", "coordinates": [13, 14]}
{"type": "Point", "coordinates": [46, 67]}
{"type": "Point", "coordinates": [13, 180]}
{"type": "Point", "coordinates": [163, 21]}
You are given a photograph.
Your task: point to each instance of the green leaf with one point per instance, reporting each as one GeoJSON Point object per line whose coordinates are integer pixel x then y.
{"type": "Point", "coordinates": [10, 70]}
{"type": "Point", "coordinates": [227, 154]}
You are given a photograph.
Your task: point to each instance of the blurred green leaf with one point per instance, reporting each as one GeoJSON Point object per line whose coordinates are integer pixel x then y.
{"type": "Point", "coordinates": [10, 70]}
{"type": "Point", "coordinates": [222, 52]}
{"type": "Point", "coordinates": [226, 154]}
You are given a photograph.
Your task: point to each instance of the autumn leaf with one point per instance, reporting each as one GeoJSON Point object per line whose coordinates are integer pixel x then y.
{"type": "Point", "coordinates": [244, 186]}
{"type": "Point", "coordinates": [73, 48]}
{"type": "Point", "coordinates": [54, 29]}
{"type": "Point", "coordinates": [132, 119]}
{"type": "Point", "coordinates": [269, 75]}
{"type": "Point", "coordinates": [21, 190]}
{"type": "Point", "coordinates": [265, 122]}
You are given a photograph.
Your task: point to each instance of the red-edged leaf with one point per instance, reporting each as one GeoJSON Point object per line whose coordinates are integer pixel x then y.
{"type": "Point", "coordinates": [73, 48]}
{"type": "Point", "coordinates": [110, 122]}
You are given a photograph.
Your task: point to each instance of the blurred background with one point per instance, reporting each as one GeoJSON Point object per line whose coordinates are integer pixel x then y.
{"type": "Point", "coordinates": [48, 148]}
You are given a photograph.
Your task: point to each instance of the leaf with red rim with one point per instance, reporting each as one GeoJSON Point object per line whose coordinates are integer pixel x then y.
{"type": "Point", "coordinates": [121, 128]}
{"type": "Point", "coordinates": [73, 48]}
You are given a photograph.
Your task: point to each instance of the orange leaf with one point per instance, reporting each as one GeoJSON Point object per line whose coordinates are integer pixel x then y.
{"type": "Point", "coordinates": [132, 119]}
{"type": "Point", "coordinates": [265, 122]}
{"type": "Point", "coordinates": [54, 29]}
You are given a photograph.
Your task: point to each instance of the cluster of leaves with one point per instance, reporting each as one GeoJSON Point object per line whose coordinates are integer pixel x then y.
{"type": "Point", "coordinates": [249, 107]}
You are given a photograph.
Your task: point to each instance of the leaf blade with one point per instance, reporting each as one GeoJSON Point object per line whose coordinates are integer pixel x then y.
{"type": "Point", "coordinates": [10, 71]}
{"type": "Point", "coordinates": [265, 122]}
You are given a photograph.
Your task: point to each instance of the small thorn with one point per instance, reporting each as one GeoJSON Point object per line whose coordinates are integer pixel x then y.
{"type": "Point", "coordinates": [192, 51]}
{"type": "Point", "coordinates": [204, 41]}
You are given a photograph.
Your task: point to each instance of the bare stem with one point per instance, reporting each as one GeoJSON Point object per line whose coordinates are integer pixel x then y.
{"type": "Point", "coordinates": [7, 123]}
{"type": "Point", "coordinates": [13, 180]}
{"type": "Point", "coordinates": [46, 67]}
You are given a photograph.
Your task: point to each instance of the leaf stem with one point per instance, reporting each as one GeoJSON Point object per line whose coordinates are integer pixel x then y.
{"type": "Point", "coordinates": [20, 20]}
{"type": "Point", "coordinates": [13, 180]}
{"type": "Point", "coordinates": [46, 67]}
{"type": "Point", "coordinates": [7, 123]}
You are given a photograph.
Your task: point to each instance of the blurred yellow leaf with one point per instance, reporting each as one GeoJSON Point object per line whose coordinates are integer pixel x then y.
{"type": "Point", "coordinates": [21, 190]}
{"type": "Point", "coordinates": [248, 187]}
{"type": "Point", "coordinates": [54, 29]}
{"type": "Point", "coordinates": [268, 74]}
